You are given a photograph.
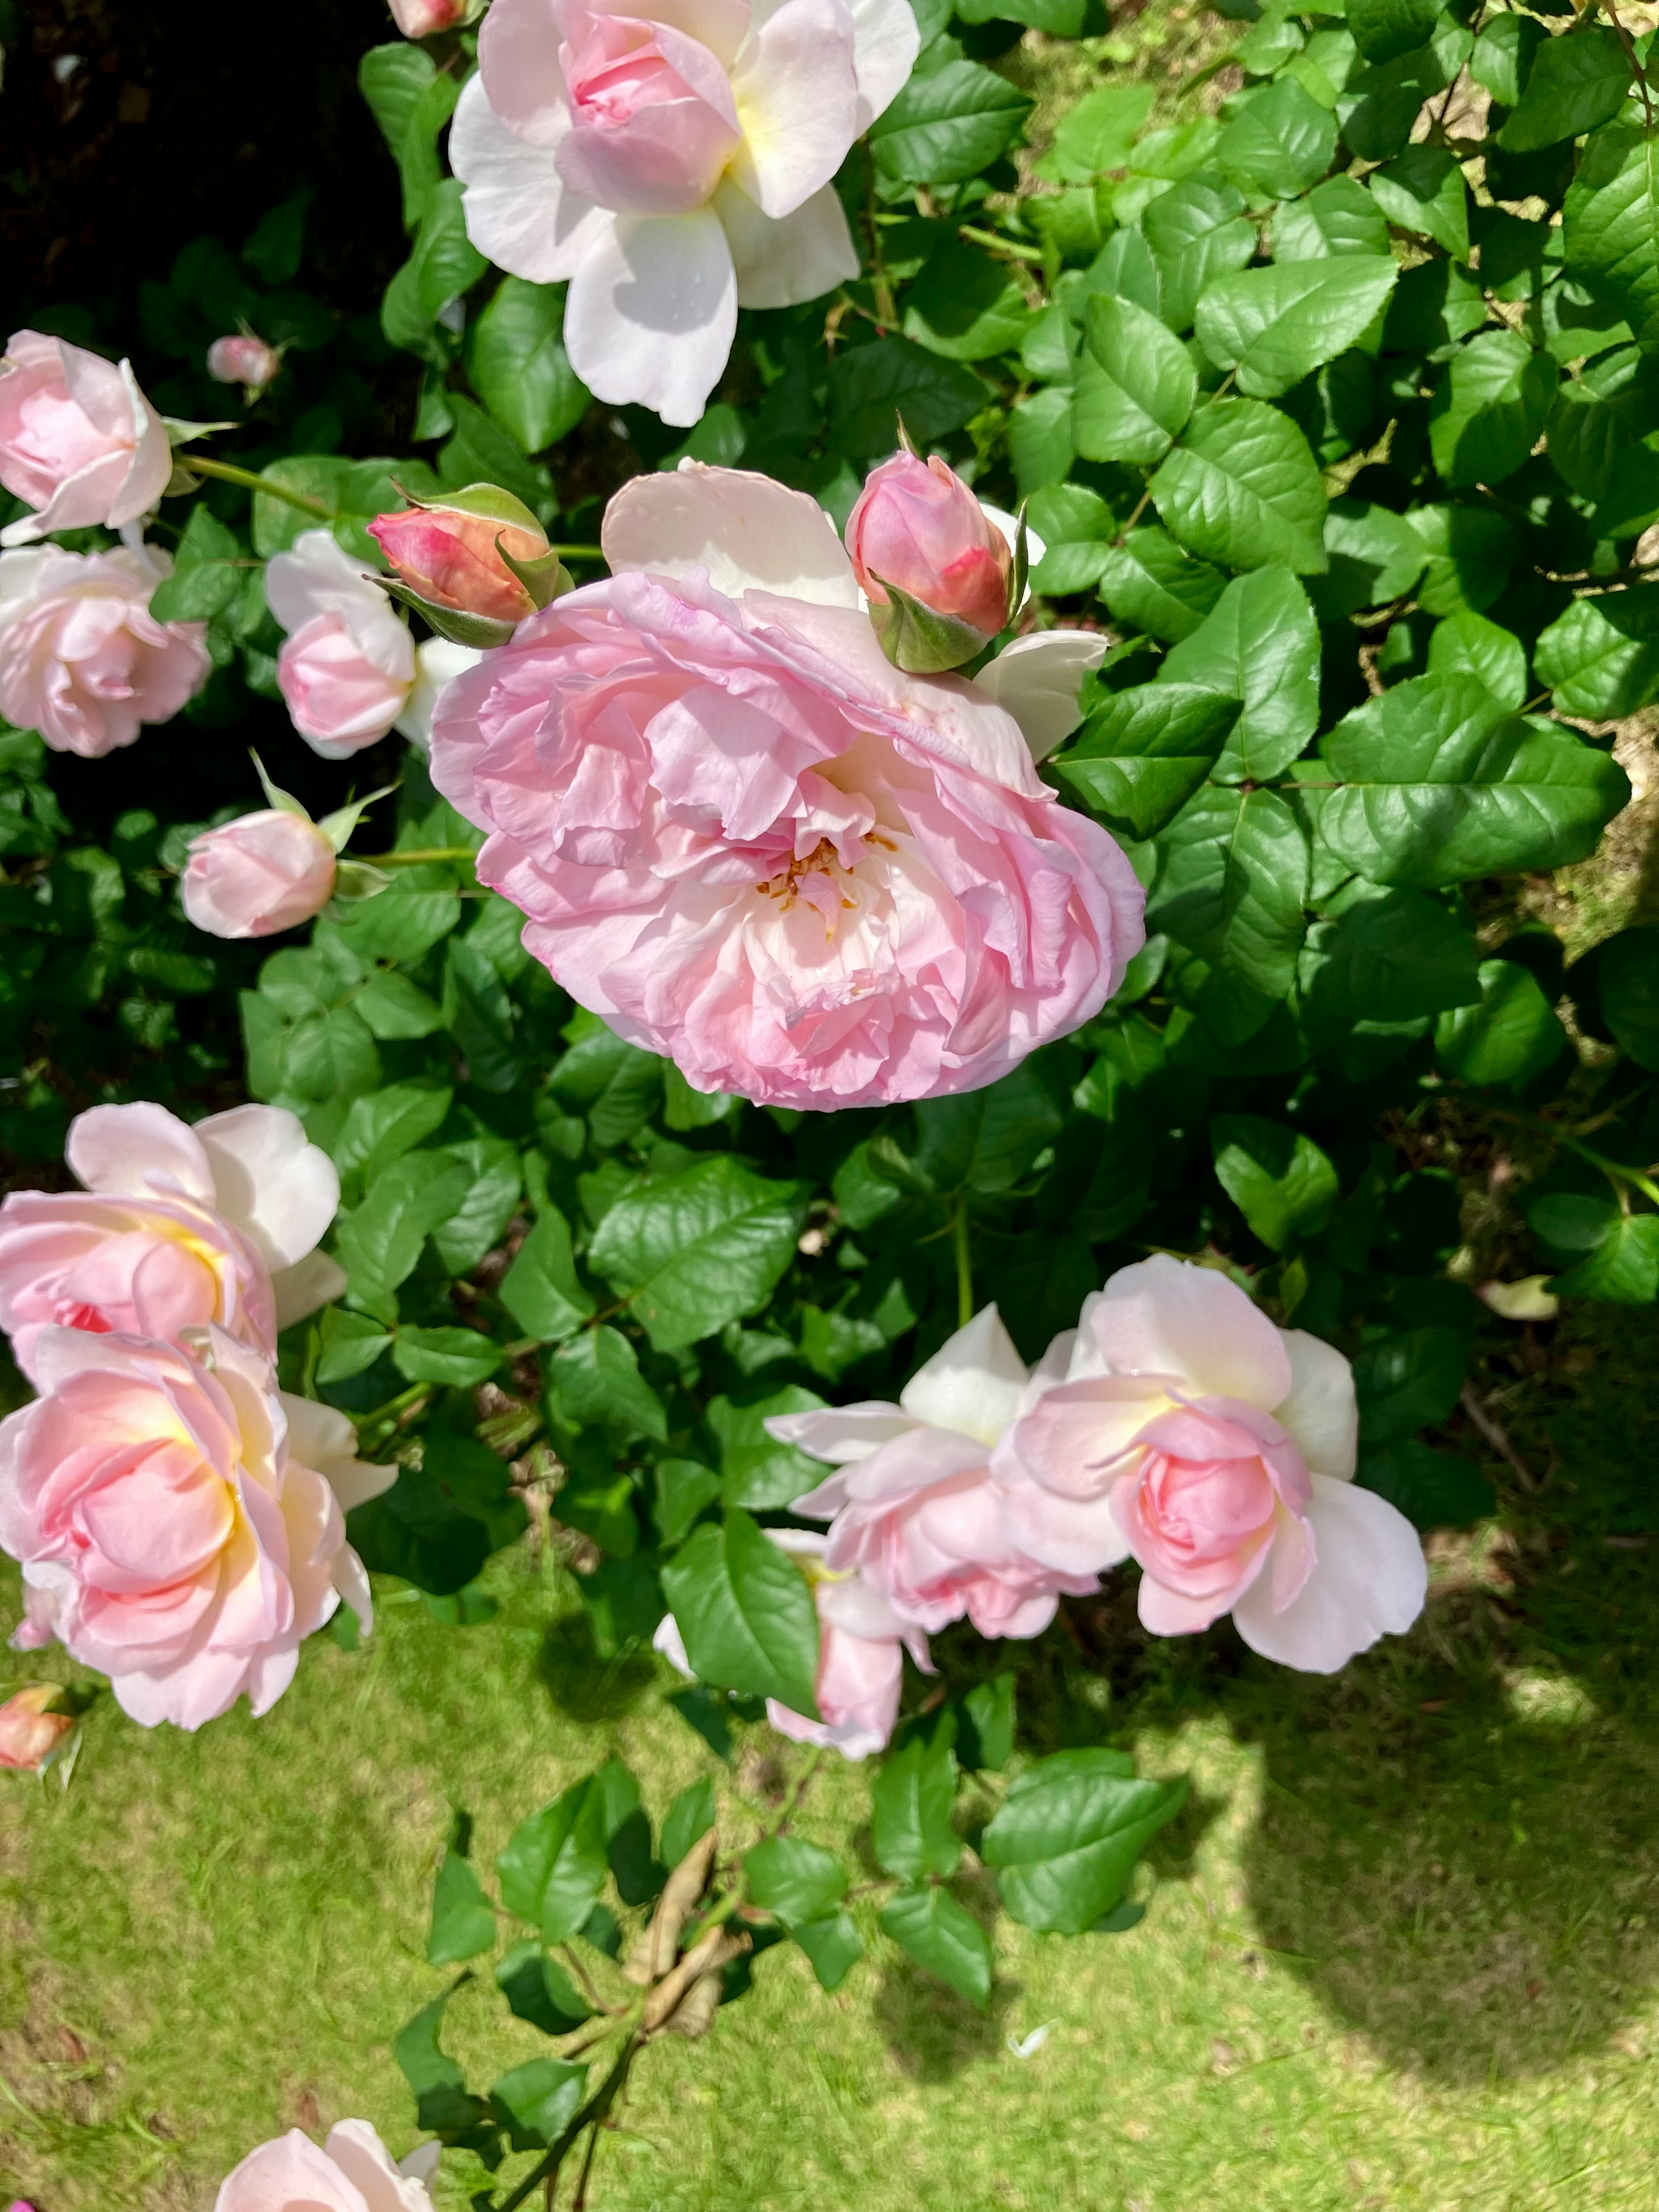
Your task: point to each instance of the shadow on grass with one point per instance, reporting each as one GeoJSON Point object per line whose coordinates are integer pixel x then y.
{"type": "Point", "coordinates": [583, 1683]}
{"type": "Point", "coordinates": [932, 2033]}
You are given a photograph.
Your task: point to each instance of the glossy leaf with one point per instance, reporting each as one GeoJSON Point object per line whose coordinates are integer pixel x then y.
{"type": "Point", "coordinates": [1242, 490]}
{"type": "Point", "coordinates": [944, 1938]}
{"type": "Point", "coordinates": [1275, 325]}
{"type": "Point", "coordinates": [745, 1613]}
{"type": "Point", "coordinates": [1065, 1838]}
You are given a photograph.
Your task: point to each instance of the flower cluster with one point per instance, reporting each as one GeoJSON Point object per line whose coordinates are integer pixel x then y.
{"type": "Point", "coordinates": [178, 1518]}
{"type": "Point", "coordinates": [1175, 1426]}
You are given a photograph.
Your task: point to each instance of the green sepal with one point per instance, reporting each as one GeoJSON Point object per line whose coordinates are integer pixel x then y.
{"type": "Point", "coordinates": [359, 879]}
{"type": "Point", "coordinates": [545, 579]}
{"type": "Point", "coordinates": [284, 802]}
{"type": "Point", "coordinates": [918, 640]}
{"type": "Point", "coordinates": [337, 827]}
{"type": "Point", "coordinates": [488, 501]}
{"type": "Point", "coordinates": [454, 623]}
{"type": "Point", "coordinates": [181, 433]}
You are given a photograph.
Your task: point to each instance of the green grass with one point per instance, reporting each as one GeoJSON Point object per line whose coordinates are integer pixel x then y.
{"type": "Point", "coordinates": [1401, 1952]}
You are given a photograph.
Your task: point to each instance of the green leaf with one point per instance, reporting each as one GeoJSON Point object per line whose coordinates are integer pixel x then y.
{"type": "Point", "coordinates": [1601, 658]}
{"type": "Point", "coordinates": [1423, 191]}
{"type": "Point", "coordinates": [1388, 957]}
{"type": "Point", "coordinates": [1610, 225]}
{"type": "Point", "coordinates": [1280, 140]}
{"type": "Point", "coordinates": [756, 1470]}
{"type": "Point", "coordinates": [613, 1081]}
{"type": "Point", "coordinates": [480, 1221]}
{"type": "Point", "coordinates": [946, 125]}
{"type": "Point", "coordinates": [832, 1944]}
{"type": "Point", "coordinates": [1100, 132]}
{"type": "Point", "coordinates": [442, 2104]}
{"type": "Point", "coordinates": [1439, 783]}
{"type": "Point", "coordinates": [1260, 645]}
{"type": "Point", "coordinates": [1623, 1269]}
{"type": "Point", "coordinates": [1511, 1036]}
{"type": "Point", "coordinates": [1264, 893]}
{"type": "Point", "coordinates": [1135, 388]}
{"type": "Point", "coordinates": [1627, 983]}
{"type": "Point", "coordinates": [385, 1124]}
{"type": "Point", "coordinates": [1576, 82]}
{"type": "Point", "coordinates": [209, 570]}
{"type": "Point", "coordinates": [1471, 552]}
{"type": "Point", "coordinates": [1244, 489]}
{"type": "Point", "coordinates": [745, 1612]}
{"type": "Point", "coordinates": [986, 1736]}
{"type": "Point", "coordinates": [691, 1252]}
{"type": "Point", "coordinates": [1378, 107]}
{"type": "Point", "coordinates": [1376, 557]}
{"type": "Point", "coordinates": [1503, 54]}
{"type": "Point", "coordinates": [379, 1241]}
{"type": "Point", "coordinates": [480, 451]}
{"type": "Point", "coordinates": [986, 1140]}
{"type": "Point", "coordinates": [538, 1989]}
{"type": "Point", "coordinates": [1468, 645]}
{"type": "Point", "coordinates": [1065, 1839]}
{"type": "Point", "coordinates": [458, 1356]}
{"type": "Point", "coordinates": [683, 1487]}
{"type": "Point", "coordinates": [870, 386]}
{"type": "Point", "coordinates": [1485, 415]}
{"type": "Point", "coordinates": [351, 1342]}
{"type": "Point", "coordinates": [1040, 444]}
{"type": "Point", "coordinates": [911, 1801]}
{"type": "Point", "coordinates": [944, 1939]}
{"type": "Point", "coordinates": [516, 359]}
{"type": "Point", "coordinates": [594, 1380]}
{"type": "Point", "coordinates": [411, 100]}
{"type": "Point", "coordinates": [1152, 585]}
{"type": "Point", "coordinates": [1432, 1488]}
{"type": "Point", "coordinates": [1141, 754]}
{"type": "Point", "coordinates": [540, 1289]}
{"type": "Point", "coordinates": [687, 1820]}
{"type": "Point", "coordinates": [555, 1864]}
{"type": "Point", "coordinates": [463, 1924]}
{"type": "Point", "coordinates": [794, 1879]}
{"type": "Point", "coordinates": [1338, 216]}
{"type": "Point", "coordinates": [1075, 525]}
{"type": "Point", "coordinates": [536, 2101]}
{"type": "Point", "coordinates": [442, 265]}
{"type": "Point", "coordinates": [964, 304]}
{"type": "Point", "coordinates": [1278, 1178]}
{"type": "Point", "coordinates": [1198, 231]}
{"type": "Point", "coordinates": [1407, 1379]}
{"type": "Point", "coordinates": [1384, 29]}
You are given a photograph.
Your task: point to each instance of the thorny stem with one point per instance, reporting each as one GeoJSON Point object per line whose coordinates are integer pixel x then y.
{"type": "Point", "coordinates": [999, 245]}
{"type": "Point", "coordinates": [1636, 69]}
{"type": "Point", "coordinates": [964, 1265]}
{"type": "Point", "coordinates": [1615, 1170]}
{"type": "Point", "coordinates": [1141, 509]}
{"type": "Point", "coordinates": [581, 2198]}
{"type": "Point", "coordinates": [591, 2115]}
{"type": "Point", "coordinates": [879, 281]}
{"type": "Point", "coordinates": [228, 472]}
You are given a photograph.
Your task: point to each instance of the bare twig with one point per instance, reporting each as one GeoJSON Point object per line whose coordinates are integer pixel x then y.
{"type": "Point", "coordinates": [1497, 1438]}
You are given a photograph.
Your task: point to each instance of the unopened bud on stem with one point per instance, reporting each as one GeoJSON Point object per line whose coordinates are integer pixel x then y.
{"type": "Point", "coordinates": [938, 572]}
{"type": "Point", "coordinates": [478, 555]}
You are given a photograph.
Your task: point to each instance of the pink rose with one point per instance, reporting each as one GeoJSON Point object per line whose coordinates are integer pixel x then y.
{"type": "Point", "coordinates": [348, 667]}
{"type": "Point", "coordinates": [419, 19]}
{"type": "Point", "coordinates": [1218, 1451]}
{"type": "Point", "coordinates": [352, 2173]}
{"type": "Point", "coordinates": [450, 557]}
{"type": "Point", "coordinates": [673, 168]}
{"type": "Point", "coordinates": [916, 1511]}
{"type": "Point", "coordinates": [245, 360]}
{"type": "Point", "coordinates": [29, 1730]}
{"type": "Point", "coordinates": [260, 873]}
{"type": "Point", "coordinates": [918, 525]}
{"type": "Point", "coordinates": [745, 841]}
{"type": "Point", "coordinates": [182, 1548]}
{"type": "Point", "coordinates": [177, 1226]}
{"type": "Point", "coordinates": [78, 438]}
{"type": "Point", "coordinates": [83, 660]}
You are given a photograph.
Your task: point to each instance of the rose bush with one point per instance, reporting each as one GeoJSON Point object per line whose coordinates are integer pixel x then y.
{"type": "Point", "coordinates": [1000, 1006]}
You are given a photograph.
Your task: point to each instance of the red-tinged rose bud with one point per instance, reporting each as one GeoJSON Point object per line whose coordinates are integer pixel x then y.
{"type": "Point", "coordinates": [247, 361]}
{"type": "Point", "coordinates": [419, 19]}
{"type": "Point", "coordinates": [447, 553]}
{"type": "Point", "coordinates": [29, 1732]}
{"type": "Point", "coordinates": [918, 528]}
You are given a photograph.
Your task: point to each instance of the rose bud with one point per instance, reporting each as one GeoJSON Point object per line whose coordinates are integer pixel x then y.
{"type": "Point", "coordinates": [245, 360]}
{"type": "Point", "coordinates": [261, 873]}
{"type": "Point", "coordinates": [29, 1732]}
{"type": "Point", "coordinates": [937, 571]}
{"type": "Point", "coordinates": [476, 552]}
{"type": "Point", "coordinates": [419, 19]}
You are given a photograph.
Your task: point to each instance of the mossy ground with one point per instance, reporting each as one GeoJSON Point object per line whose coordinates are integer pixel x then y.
{"type": "Point", "coordinates": [1402, 1950]}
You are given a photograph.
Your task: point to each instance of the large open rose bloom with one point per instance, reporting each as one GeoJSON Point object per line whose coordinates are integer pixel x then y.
{"type": "Point", "coordinates": [352, 2173]}
{"type": "Point", "coordinates": [177, 1226]}
{"type": "Point", "coordinates": [915, 1510]}
{"type": "Point", "coordinates": [169, 1535]}
{"type": "Point", "coordinates": [747, 842]}
{"type": "Point", "coordinates": [78, 438]}
{"type": "Point", "coordinates": [673, 162]}
{"type": "Point", "coordinates": [1193, 1435]}
{"type": "Point", "coordinates": [82, 659]}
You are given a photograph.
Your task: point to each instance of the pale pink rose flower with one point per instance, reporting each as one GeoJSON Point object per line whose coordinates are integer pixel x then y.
{"type": "Point", "coordinates": [352, 2173]}
{"type": "Point", "coordinates": [917, 524]}
{"type": "Point", "coordinates": [29, 1734]}
{"type": "Point", "coordinates": [263, 873]}
{"type": "Point", "coordinates": [1218, 1450]}
{"type": "Point", "coordinates": [673, 168]}
{"type": "Point", "coordinates": [78, 438]}
{"type": "Point", "coordinates": [150, 1493]}
{"type": "Point", "coordinates": [348, 667]}
{"type": "Point", "coordinates": [916, 1511]}
{"type": "Point", "coordinates": [83, 660]}
{"type": "Point", "coordinates": [419, 19]}
{"type": "Point", "coordinates": [244, 360]}
{"type": "Point", "coordinates": [747, 842]}
{"type": "Point", "coordinates": [177, 1226]}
